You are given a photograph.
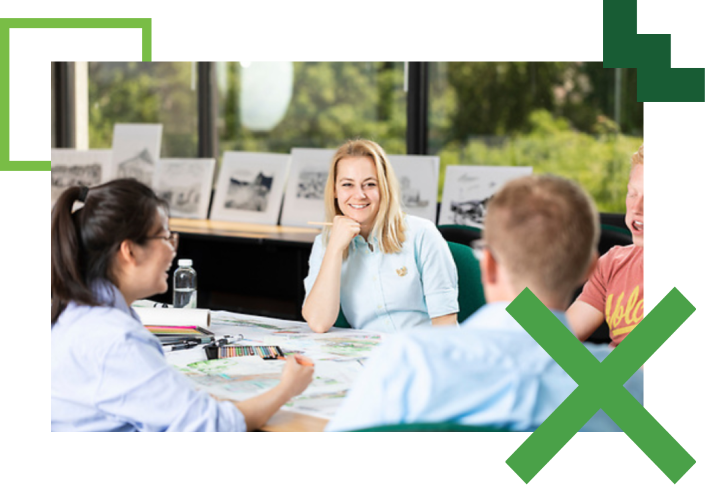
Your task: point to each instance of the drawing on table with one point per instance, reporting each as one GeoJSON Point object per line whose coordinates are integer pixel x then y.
{"type": "Point", "coordinates": [349, 346]}
{"type": "Point", "coordinates": [338, 357]}
{"type": "Point", "coordinates": [236, 377]}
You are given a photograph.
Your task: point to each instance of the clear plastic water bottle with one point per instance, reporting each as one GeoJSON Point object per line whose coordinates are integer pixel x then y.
{"type": "Point", "coordinates": [185, 285]}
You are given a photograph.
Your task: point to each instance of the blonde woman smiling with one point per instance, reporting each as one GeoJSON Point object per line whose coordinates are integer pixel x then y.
{"type": "Point", "coordinates": [386, 270]}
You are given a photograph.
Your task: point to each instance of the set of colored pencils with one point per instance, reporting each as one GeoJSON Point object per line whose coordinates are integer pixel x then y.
{"type": "Point", "coordinates": [266, 352]}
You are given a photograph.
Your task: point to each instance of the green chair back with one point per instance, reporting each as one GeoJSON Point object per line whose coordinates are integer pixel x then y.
{"type": "Point", "coordinates": [613, 236]}
{"type": "Point", "coordinates": [470, 294]}
{"type": "Point", "coordinates": [460, 234]}
{"type": "Point", "coordinates": [341, 321]}
{"type": "Point", "coordinates": [431, 427]}
{"type": "Point", "coordinates": [622, 230]}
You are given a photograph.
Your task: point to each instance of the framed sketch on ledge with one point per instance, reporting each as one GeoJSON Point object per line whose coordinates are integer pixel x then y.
{"type": "Point", "coordinates": [303, 200]}
{"type": "Point", "coordinates": [186, 184]}
{"type": "Point", "coordinates": [136, 149]}
{"type": "Point", "coordinates": [78, 167]}
{"type": "Point", "coordinates": [250, 187]}
{"type": "Point", "coordinates": [468, 188]}
{"type": "Point", "coordinates": [418, 182]}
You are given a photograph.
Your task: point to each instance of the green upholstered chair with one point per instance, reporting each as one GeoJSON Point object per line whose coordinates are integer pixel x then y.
{"type": "Point", "coordinates": [613, 236]}
{"type": "Point", "coordinates": [341, 322]}
{"type": "Point", "coordinates": [470, 293]}
{"type": "Point", "coordinates": [460, 234]}
{"type": "Point", "coordinates": [431, 427]}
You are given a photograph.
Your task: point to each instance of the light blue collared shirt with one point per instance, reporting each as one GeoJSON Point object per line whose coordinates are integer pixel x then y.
{"type": "Point", "coordinates": [489, 372]}
{"type": "Point", "coordinates": [389, 292]}
{"type": "Point", "coordinates": [108, 373]}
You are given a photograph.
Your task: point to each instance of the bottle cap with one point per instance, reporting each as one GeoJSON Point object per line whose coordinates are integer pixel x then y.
{"type": "Point", "coordinates": [185, 262]}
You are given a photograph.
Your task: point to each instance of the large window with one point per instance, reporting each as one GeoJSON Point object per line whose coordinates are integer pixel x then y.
{"type": "Point", "coordinates": [578, 120]}
{"type": "Point", "coordinates": [575, 119]}
{"type": "Point", "coordinates": [276, 106]}
{"type": "Point", "coordinates": [144, 92]}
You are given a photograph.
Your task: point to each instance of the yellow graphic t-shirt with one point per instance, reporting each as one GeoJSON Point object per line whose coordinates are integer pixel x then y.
{"type": "Point", "coordinates": [616, 288]}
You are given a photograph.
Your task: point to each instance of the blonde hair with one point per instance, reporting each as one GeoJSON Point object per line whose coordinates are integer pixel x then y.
{"type": "Point", "coordinates": [638, 156]}
{"type": "Point", "coordinates": [544, 231]}
{"type": "Point", "coordinates": [389, 223]}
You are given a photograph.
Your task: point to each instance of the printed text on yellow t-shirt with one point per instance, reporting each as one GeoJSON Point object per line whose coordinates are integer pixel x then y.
{"type": "Point", "coordinates": [631, 315]}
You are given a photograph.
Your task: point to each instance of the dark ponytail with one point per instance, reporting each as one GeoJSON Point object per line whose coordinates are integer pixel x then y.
{"type": "Point", "coordinates": [84, 242]}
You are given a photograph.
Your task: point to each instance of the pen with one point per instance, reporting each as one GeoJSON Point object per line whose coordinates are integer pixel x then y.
{"type": "Point", "coordinates": [310, 223]}
{"type": "Point", "coordinates": [194, 341]}
{"type": "Point", "coordinates": [185, 346]}
{"type": "Point", "coordinates": [228, 339]}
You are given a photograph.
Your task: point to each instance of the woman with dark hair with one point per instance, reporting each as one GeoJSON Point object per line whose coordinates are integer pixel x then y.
{"type": "Point", "coordinates": [108, 373]}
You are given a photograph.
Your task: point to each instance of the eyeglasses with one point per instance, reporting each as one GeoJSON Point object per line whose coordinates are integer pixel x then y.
{"type": "Point", "coordinates": [171, 237]}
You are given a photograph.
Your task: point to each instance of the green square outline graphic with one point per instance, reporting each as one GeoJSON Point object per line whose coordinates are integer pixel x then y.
{"type": "Point", "coordinates": [6, 165]}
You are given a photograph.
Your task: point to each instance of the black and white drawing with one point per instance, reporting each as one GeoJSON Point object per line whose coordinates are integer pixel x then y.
{"type": "Point", "coordinates": [468, 189]}
{"type": "Point", "coordinates": [77, 167]}
{"type": "Point", "coordinates": [248, 194]}
{"type": "Point", "coordinates": [470, 212]}
{"type": "Point", "coordinates": [136, 151]}
{"type": "Point", "coordinates": [310, 184]}
{"type": "Point", "coordinates": [186, 184]}
{"type": "Point", "coordinates": [303, 201]}
{"type": "Point", "coordinates": [418, 181]}
{"type": "Point", "coordinates": [250, 187]}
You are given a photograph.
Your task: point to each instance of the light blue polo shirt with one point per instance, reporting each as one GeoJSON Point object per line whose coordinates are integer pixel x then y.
{"type": "Point", "coordinates": [488, 373]}
{"type": "Point", "coordinates": [390, 292]}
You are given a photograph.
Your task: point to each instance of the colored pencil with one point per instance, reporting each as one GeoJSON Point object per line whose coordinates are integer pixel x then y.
{"type": "Point", "coordinates": [264, 351]}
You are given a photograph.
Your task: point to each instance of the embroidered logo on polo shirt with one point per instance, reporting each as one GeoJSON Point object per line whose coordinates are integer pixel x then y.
{"type": "Point", "coordinates": [402, 271]}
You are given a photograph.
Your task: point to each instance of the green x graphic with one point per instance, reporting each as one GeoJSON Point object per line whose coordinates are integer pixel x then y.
{"type": "Point", "coordinates": [600, 385]}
